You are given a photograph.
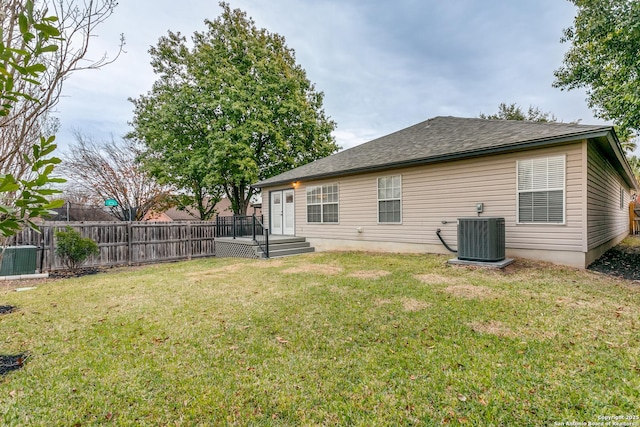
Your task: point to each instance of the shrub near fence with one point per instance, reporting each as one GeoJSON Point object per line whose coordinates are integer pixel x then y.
{"type": "Point", "coordinates": [123, 243]}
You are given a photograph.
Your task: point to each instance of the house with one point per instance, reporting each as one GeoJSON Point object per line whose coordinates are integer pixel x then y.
{"type": "Point", "coordinates": [563, 189]}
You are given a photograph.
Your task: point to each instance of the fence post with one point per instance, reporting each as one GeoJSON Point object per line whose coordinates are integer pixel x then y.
{"type": "Point", "coordinates": [253, 228]}
{"type": "Point", "coordinates": [42, 248]}
{"type": "Point", "coordinates": [234, 226]}
{"type": "Point", "coordinates": [266, 240]}
{"type": "Point", "coordinates": [189, 248]}
{"type": "Point", "coordinates": [129, 242]}
{"type": "Point", "coordinates": [51, 247]}
{"type": "Point", "coordinates": [216, 230]}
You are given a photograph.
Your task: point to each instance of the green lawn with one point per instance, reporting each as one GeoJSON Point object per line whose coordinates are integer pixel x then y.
{"type": "Point", "coordinates": [326, 339]}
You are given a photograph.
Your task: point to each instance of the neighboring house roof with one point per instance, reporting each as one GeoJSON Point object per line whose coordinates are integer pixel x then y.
{"type": "Point", "coordinates": [450, 138]}
{"type": "Point", "coordinates": [223, 208]}
{"type": "Point", "coordinates": [171, 214]}
{"type": "Point", "coordinates": [78, 212]}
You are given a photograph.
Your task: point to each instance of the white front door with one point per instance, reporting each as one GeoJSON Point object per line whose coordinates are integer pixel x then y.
{"type": "Point", "coordinates": [288, 226]}
{"type": "Point", "coordinates": [282, 212]}
{"type": "Point", "coordinates": [275, 211]}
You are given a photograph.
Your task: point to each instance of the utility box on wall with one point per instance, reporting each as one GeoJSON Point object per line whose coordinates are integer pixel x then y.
{"type": "Point", "coordinates": [481, 239]}
{"type": "Point", "coordinates": [18, 260]}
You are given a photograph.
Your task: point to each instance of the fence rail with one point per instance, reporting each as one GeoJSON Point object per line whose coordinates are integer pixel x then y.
{"type": "Point", "coordinates": [124, 243]}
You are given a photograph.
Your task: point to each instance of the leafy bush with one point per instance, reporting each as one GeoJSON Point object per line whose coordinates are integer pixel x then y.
{"type": "Point", "coordinates": [73, 248]}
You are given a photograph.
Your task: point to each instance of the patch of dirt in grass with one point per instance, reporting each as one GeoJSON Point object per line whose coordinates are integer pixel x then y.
{"type": "Point", "coordinates": [79, 272]}
{"type": "Point", "coordinates": [520, 265]}
{"type": "Point", "coordinates": [471, 291]}
{"type": "Point", "coordinates": [535, 295]}
{"type": "Point", "coordinates": [267, 263]}
{"type": "Point", "coordinates": [493, 327]}
{"type": "Point", "coordinates": [369, 274]}
{"type": "Point", "coordinates": [325, 269]}
{"type": "Point", "coordinates": [573, 303]}
{"type": "Point", "coordinates": [345, 290]}
{"type": "Point", "coordinates": [410, 304]}
{"type": "Point", "coordinates": [380, 302]}
{"type": "Point", "coordinates": [439, 279]}
{"type": "Point", "coordinates": [231, 268]}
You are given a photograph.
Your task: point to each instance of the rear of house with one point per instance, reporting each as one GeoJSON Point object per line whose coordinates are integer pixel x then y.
{"type": "Point", "coordinates": [563, 190]}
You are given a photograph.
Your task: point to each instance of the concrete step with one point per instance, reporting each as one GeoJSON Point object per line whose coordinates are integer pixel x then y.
{"type": "Point", "coordinates": [278, 245]}
{"type": "Point", "coordinates": [276, 253]}
{"type": "Point", "coordinates": [292, 239]}
{"type": "Point", "coordinates": [286, 247]}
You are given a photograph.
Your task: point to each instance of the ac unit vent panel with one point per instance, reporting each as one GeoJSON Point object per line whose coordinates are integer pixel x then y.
{"type": "Point", "coordinates": [481, 239]}
{"type": "Point", "coordinates": [18, 260]}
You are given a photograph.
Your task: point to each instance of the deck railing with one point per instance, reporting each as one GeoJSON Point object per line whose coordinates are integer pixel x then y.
{"type": "Point", "coordinates": [262, 239]}
{"type": "Point", "coordinates": [239, 226]}
{"type": "Point", "coordinates": [244, 226]}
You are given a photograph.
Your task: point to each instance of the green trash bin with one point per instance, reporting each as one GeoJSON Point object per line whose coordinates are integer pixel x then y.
{"type": "Point", "coordinates": [19, 260]}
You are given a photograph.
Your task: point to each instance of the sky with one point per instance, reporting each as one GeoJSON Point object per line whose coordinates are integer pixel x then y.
{"type": "Point", "coordinates": [382, 65]}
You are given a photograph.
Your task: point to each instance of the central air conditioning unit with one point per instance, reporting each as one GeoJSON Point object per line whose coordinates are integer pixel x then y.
{"type": "Point", "coordinates": [481, 239]}
{"type": "Point", "coordinates": [18, 260]}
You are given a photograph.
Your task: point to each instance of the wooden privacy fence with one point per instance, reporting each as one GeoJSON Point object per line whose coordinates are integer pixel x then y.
{"type": "Point", "coordinates": [124, 243]}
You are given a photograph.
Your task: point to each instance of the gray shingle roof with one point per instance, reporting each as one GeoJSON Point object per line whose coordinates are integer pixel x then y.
{"type": "Point", "coordinates": [438, 139]}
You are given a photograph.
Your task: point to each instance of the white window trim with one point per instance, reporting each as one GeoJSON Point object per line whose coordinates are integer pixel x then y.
{"type": "Point", "coordinates": [321, 204]}
{"type": "Point", "coordinates": [622, 194]}
{"type": "Point", "coordinates": [384, 200]}
{"type": "Point", "coordinates": [564, 193]}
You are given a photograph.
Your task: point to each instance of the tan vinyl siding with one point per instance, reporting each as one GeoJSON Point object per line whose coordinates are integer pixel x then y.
{"type": "Point", "coordinates": [444, 192]}
{"type": "Point", "coordinates": [606, 220]}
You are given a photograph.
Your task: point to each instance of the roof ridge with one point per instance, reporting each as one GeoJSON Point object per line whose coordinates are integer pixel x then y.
{"type": "Point", "coordinates": [521, 121]}
{"type": "Point", "coordinates": [441, 138]}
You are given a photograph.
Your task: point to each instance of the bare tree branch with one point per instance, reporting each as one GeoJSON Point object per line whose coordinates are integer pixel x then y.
{"type": "Point", "coordinates": [108, 170]}
{"type": "Point", "coordinates": [28, 120]}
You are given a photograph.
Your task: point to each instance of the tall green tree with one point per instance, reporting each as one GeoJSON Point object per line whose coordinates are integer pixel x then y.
{"type": "Point", "coordinates": [603, 58]}
{"type": "Point", "coordinates": [230, 110]}
{"type": "Point", "coordinates": [515, 112]}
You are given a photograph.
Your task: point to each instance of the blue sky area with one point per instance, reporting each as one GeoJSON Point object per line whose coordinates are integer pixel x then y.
{"type": "Point", "coordinates": [382, 65]}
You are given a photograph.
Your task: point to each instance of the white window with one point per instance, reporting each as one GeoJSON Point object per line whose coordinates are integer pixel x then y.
{"type": "Point", "coordinates": [390, 199]}
{"type": "Point", "coordinates": [541, 190]}
{"type": "Point", "coordinates": [322, 203]}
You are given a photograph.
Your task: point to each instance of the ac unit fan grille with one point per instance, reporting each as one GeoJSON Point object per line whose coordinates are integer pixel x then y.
{"type": "Point", "coordinates": [481, 239]}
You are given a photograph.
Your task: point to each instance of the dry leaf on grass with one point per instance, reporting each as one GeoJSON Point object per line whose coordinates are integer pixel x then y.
{"type": "Point", "coordinates": [281, 340]}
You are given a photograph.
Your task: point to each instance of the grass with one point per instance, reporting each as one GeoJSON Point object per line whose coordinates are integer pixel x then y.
{"type": "Point", "coordinates": [326, 339]}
